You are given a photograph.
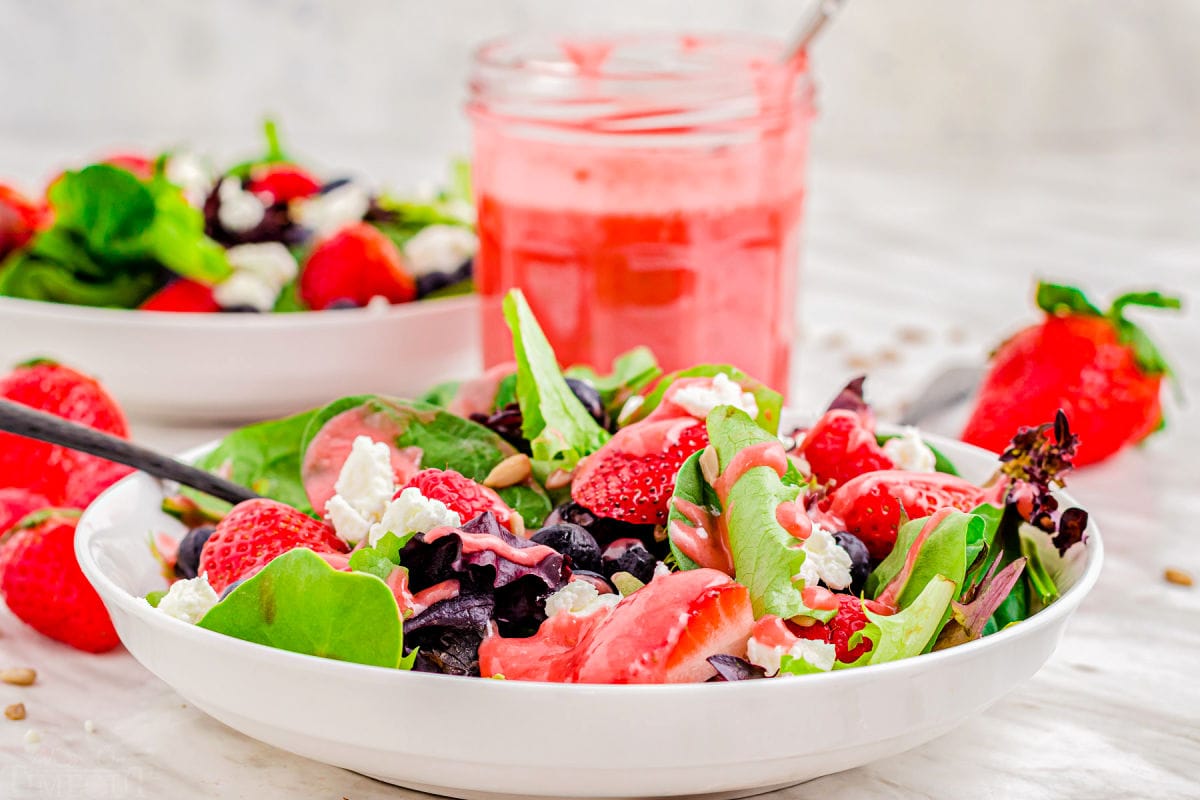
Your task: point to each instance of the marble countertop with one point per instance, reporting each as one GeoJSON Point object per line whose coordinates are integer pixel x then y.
{"type": "Point", "coordinates": [909, 267]}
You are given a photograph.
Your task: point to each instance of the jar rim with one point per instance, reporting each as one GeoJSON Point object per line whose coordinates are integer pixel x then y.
{"type": "Point", "coordinates": [625, 81]}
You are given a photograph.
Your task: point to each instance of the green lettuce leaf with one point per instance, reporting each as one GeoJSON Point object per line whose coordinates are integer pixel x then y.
{"type": "Point", "coordinates": [770, 402]}
{"type": "Point", "coordinates": [690, 486]}
{"type": "Point", "coordinates": [944, 553]}
{"type": "Point", "coordinates": [559, 429]}
{"type": "Point", "coordinates": [910, 631]}
{"type": "Point", "coordinates": [1048, 572]}
{"type": "Point", "coordinates": [765, 556]}
{"type": "Point", "coordinates": [380, 559]}
{"type": "Point", "coordinates": [298, 602]}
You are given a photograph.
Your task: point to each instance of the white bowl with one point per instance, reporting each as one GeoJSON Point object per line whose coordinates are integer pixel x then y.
{"type": "Point", "coordinates": [475, 738]}
{"type": "Point", "coordinates": [240, 367]}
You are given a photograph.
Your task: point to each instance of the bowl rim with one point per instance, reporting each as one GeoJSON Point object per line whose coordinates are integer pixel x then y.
{"type": "Point", "coordinates": [211, 641]}
{"type": "Point", "coordinates": [210, 322]}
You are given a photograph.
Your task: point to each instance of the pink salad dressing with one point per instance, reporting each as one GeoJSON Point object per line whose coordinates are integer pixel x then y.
{"type": "Point", "coordinates": [637, 204]}
{"type": "Point", "coordinates": [890, 596]}
{"type": "Point", "coordinates": [477, 542]}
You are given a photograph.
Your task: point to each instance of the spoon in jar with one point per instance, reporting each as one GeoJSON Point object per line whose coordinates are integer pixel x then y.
{"type": "Point", "coordinates": [798, 45]}
{"type": "Point", "coordinates": [33, 424]}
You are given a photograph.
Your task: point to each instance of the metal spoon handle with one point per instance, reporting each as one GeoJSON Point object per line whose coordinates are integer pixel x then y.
{"type": "Point", "coordinates": [33, 424]}
{"type": "Point", "coordinates": [825, 11]}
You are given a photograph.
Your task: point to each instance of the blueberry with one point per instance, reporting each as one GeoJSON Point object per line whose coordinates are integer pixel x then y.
{"type": "Point", "coordinates": [187, 560]}
{"type": "Point", "coordinates": [602, 528]}
{"type": "Point", "coordinates": [343, 302]}
{"type": "Point", "coordinates": [432, 281]}
{"type": "Point", "coordinates": [231, 587]}
{"type": "Point", "coordinates": [629, 555]}
{"type": "Point", "coordinates": [590, 399]}
{"type": "Point", "coordinates": [860, 559]}
{"type": "Point", "coordinates": [464, 271]}
{"type": "Point", "coordinates": [574, 541]}
{"type": "Point", "coordinates": [603, 585]}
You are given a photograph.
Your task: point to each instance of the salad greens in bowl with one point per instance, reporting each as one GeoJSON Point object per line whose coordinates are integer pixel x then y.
{"type": "Point", "coordinates": [179, 283]}
{"type": "Point", "coordinates": [689, 588]}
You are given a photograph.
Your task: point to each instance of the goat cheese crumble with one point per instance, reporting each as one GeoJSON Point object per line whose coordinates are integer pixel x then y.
{"type": "Point", "coordinates": [824, 560]}
{"type": "Point", "coordinates": [364, 489]}
{"type": "Point", "coordinates": [325, 213]}
{"type": "Point", "coordinates": [699, 400]}
{"type": "Point", "coordinates": [816, 653]}
{"type": "Point", "coordinates": [238, 210]}
{"type": "Point", "coordinates": [580, 598]}
{"type": "Point", "coordinates": [189, 600]}
{"type": "Point", "coordinates": [909, 452]}
{"type": "Point", "coordinates": [413, 512]}
{"type": "Point", "coordinates": [440, 248]}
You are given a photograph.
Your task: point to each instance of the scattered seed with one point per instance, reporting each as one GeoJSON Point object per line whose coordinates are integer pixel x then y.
{"type": "Point", "coordinates": [89, 726]}
{"type": "Point", "coordinates": [956, 335]}
{"type": "Point", "coordinates": [509, 472]}
{"type": "Point", "coordinates": [558, 479]}
{"type": "Point", "coordinates": [710, 467]}
{"type": "Point", "coordinates": [518, 525]}
{"type": "Point", "coordinates": [888, 355]}
{"type": "Point", "coordinates": [15, 711]}
{"type": "Point", "coordinates": [18, 676]}
{"type": "Point", "coordinates": [911, 334]}
{"type": "Point", "coordinates": [834, 341]}
{"type": "Point", "coordinates": [33, 736]}
{"type": "Point", "coordinates": [1178, 577]}
{"type": "Point", "coordinates": [859, 361]}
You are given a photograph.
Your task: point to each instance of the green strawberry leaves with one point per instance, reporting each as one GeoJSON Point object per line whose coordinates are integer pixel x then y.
{"type": "Point", "coordinates": [1059, 300]}
{"type": "Point", "coordinates": [298, 602]}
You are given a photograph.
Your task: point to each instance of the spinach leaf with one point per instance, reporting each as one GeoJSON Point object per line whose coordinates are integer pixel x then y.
{"type": "Point", "coordinates": [298, 602]}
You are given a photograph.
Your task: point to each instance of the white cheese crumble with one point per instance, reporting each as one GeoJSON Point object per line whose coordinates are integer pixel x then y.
{"type": "Point", "coordinates": [909, 452]}
{"type": "Point", "coordinates": [325, 213]}
{"type": "Point", "coordinates": [239, 210]}
{"type": "Point", "coordinates": [813, 651]}
{"type": "Point", "coordinates": [824, 560]}
{"type": "Point", "coordinates": [364, 488]}
{"type": "Point", "coordinates": [189, 600]}
{"type": "Point", "coordinates": [89, 726]}
{"type": "Point", "coordinates": [413, 512]}
{"type": "Point", "coordinates": [699, 400]}
{"type": "Point", "coordinates": [271, 261]}
{"type": "Point", "coordinates": [192, 175]}
{"type": "Point", "coordinates": [580, 598]}
{"type": "Point", "coordinates": [440, 248]}
{"type": "Point", "coordinates": [246, 289]}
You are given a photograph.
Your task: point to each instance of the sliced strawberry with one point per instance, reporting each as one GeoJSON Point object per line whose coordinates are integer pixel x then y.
{"type": "Point", "coordinates": [632, 476]}
{"type": "Point", "coordinates": [842, 446]}
{"type": "Point", "coordinates": [256, 531]}
{"type": "Point", "coordinates": [43, 586]}
{"type": "Point", "coordinates": [870, 506]}
{"type": "Point", "coordinates": [666, 631]}
{"type": "Point", "coordinates": [61, 475]}
{"type": "Point", "coordinates": [662, 633]}
{"type": "Point", "coordinates": [182, 295]}
{"type": "Point", "coordinates": [282, 183]}
{"type": "Point", "coordinates": [460, 494]}
{"type": "Point", "coordinates": [356, 264]}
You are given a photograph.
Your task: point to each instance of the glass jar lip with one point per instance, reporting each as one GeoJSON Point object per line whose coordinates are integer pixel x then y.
{"type": "Point", "coordinates": [624, 82]}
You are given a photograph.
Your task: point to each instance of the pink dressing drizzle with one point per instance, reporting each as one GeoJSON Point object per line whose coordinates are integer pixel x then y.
{"type": "Point", "coordinates": [890, 596]}
{"type": "Point", "coordinates": [792, 517]}
{"type": "Point", "coordinates": [434, 594]}
{"type": "Point", "coordinates": [477, 542]}
{"type": "Point", "coordinates": [702, 538]}
{"type": "Point", "coordinates": [764, 454]}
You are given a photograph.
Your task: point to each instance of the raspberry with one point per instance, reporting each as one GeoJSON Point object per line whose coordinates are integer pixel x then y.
{"type": "Point", "coordinates": [460, 494]}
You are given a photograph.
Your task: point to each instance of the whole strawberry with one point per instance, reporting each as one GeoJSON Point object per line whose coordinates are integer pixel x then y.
{"type": "Point", "coordinates": [353, 266]}
{"type": "Point", "coordinates": [16, 504]}
{"type": "Point", "coordinates": [460, 494]}
{"type": "Point", "coordinates": [1098, 367]}
{"type": "Point", "coordinates": [64, 477]}
{"type": "Point", "coordinates": [256, 531]}
{"type": "Point", "coordinates": [43, 586]}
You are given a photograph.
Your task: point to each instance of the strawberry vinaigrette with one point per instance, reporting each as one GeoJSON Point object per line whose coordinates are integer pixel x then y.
{"type": "Point", "coordinates": [642, 190]}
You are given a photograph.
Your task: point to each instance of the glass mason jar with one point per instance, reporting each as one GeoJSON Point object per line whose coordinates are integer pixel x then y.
{"type": "Point", "coordinates": [642, 190]}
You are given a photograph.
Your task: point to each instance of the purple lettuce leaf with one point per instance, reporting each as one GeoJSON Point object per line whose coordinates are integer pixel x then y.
{"type": "Point", "coordinates": [1036, 463]}
{"type": "Point", "coordinates": [851, 397]}
{"type": "Point", "coordinates": [969, 615]}
{"type": "Point", "coordinates": [732, 668]}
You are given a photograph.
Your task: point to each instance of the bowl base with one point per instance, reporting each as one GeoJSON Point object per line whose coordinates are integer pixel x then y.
{"type": "Point", "coordinates": [469, 794]}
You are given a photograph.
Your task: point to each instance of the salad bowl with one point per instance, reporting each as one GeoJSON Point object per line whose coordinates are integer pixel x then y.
{"type": "Point", "coordinates": [237, 367]}
{"type": "Point", "coordinates": [476, 738]}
